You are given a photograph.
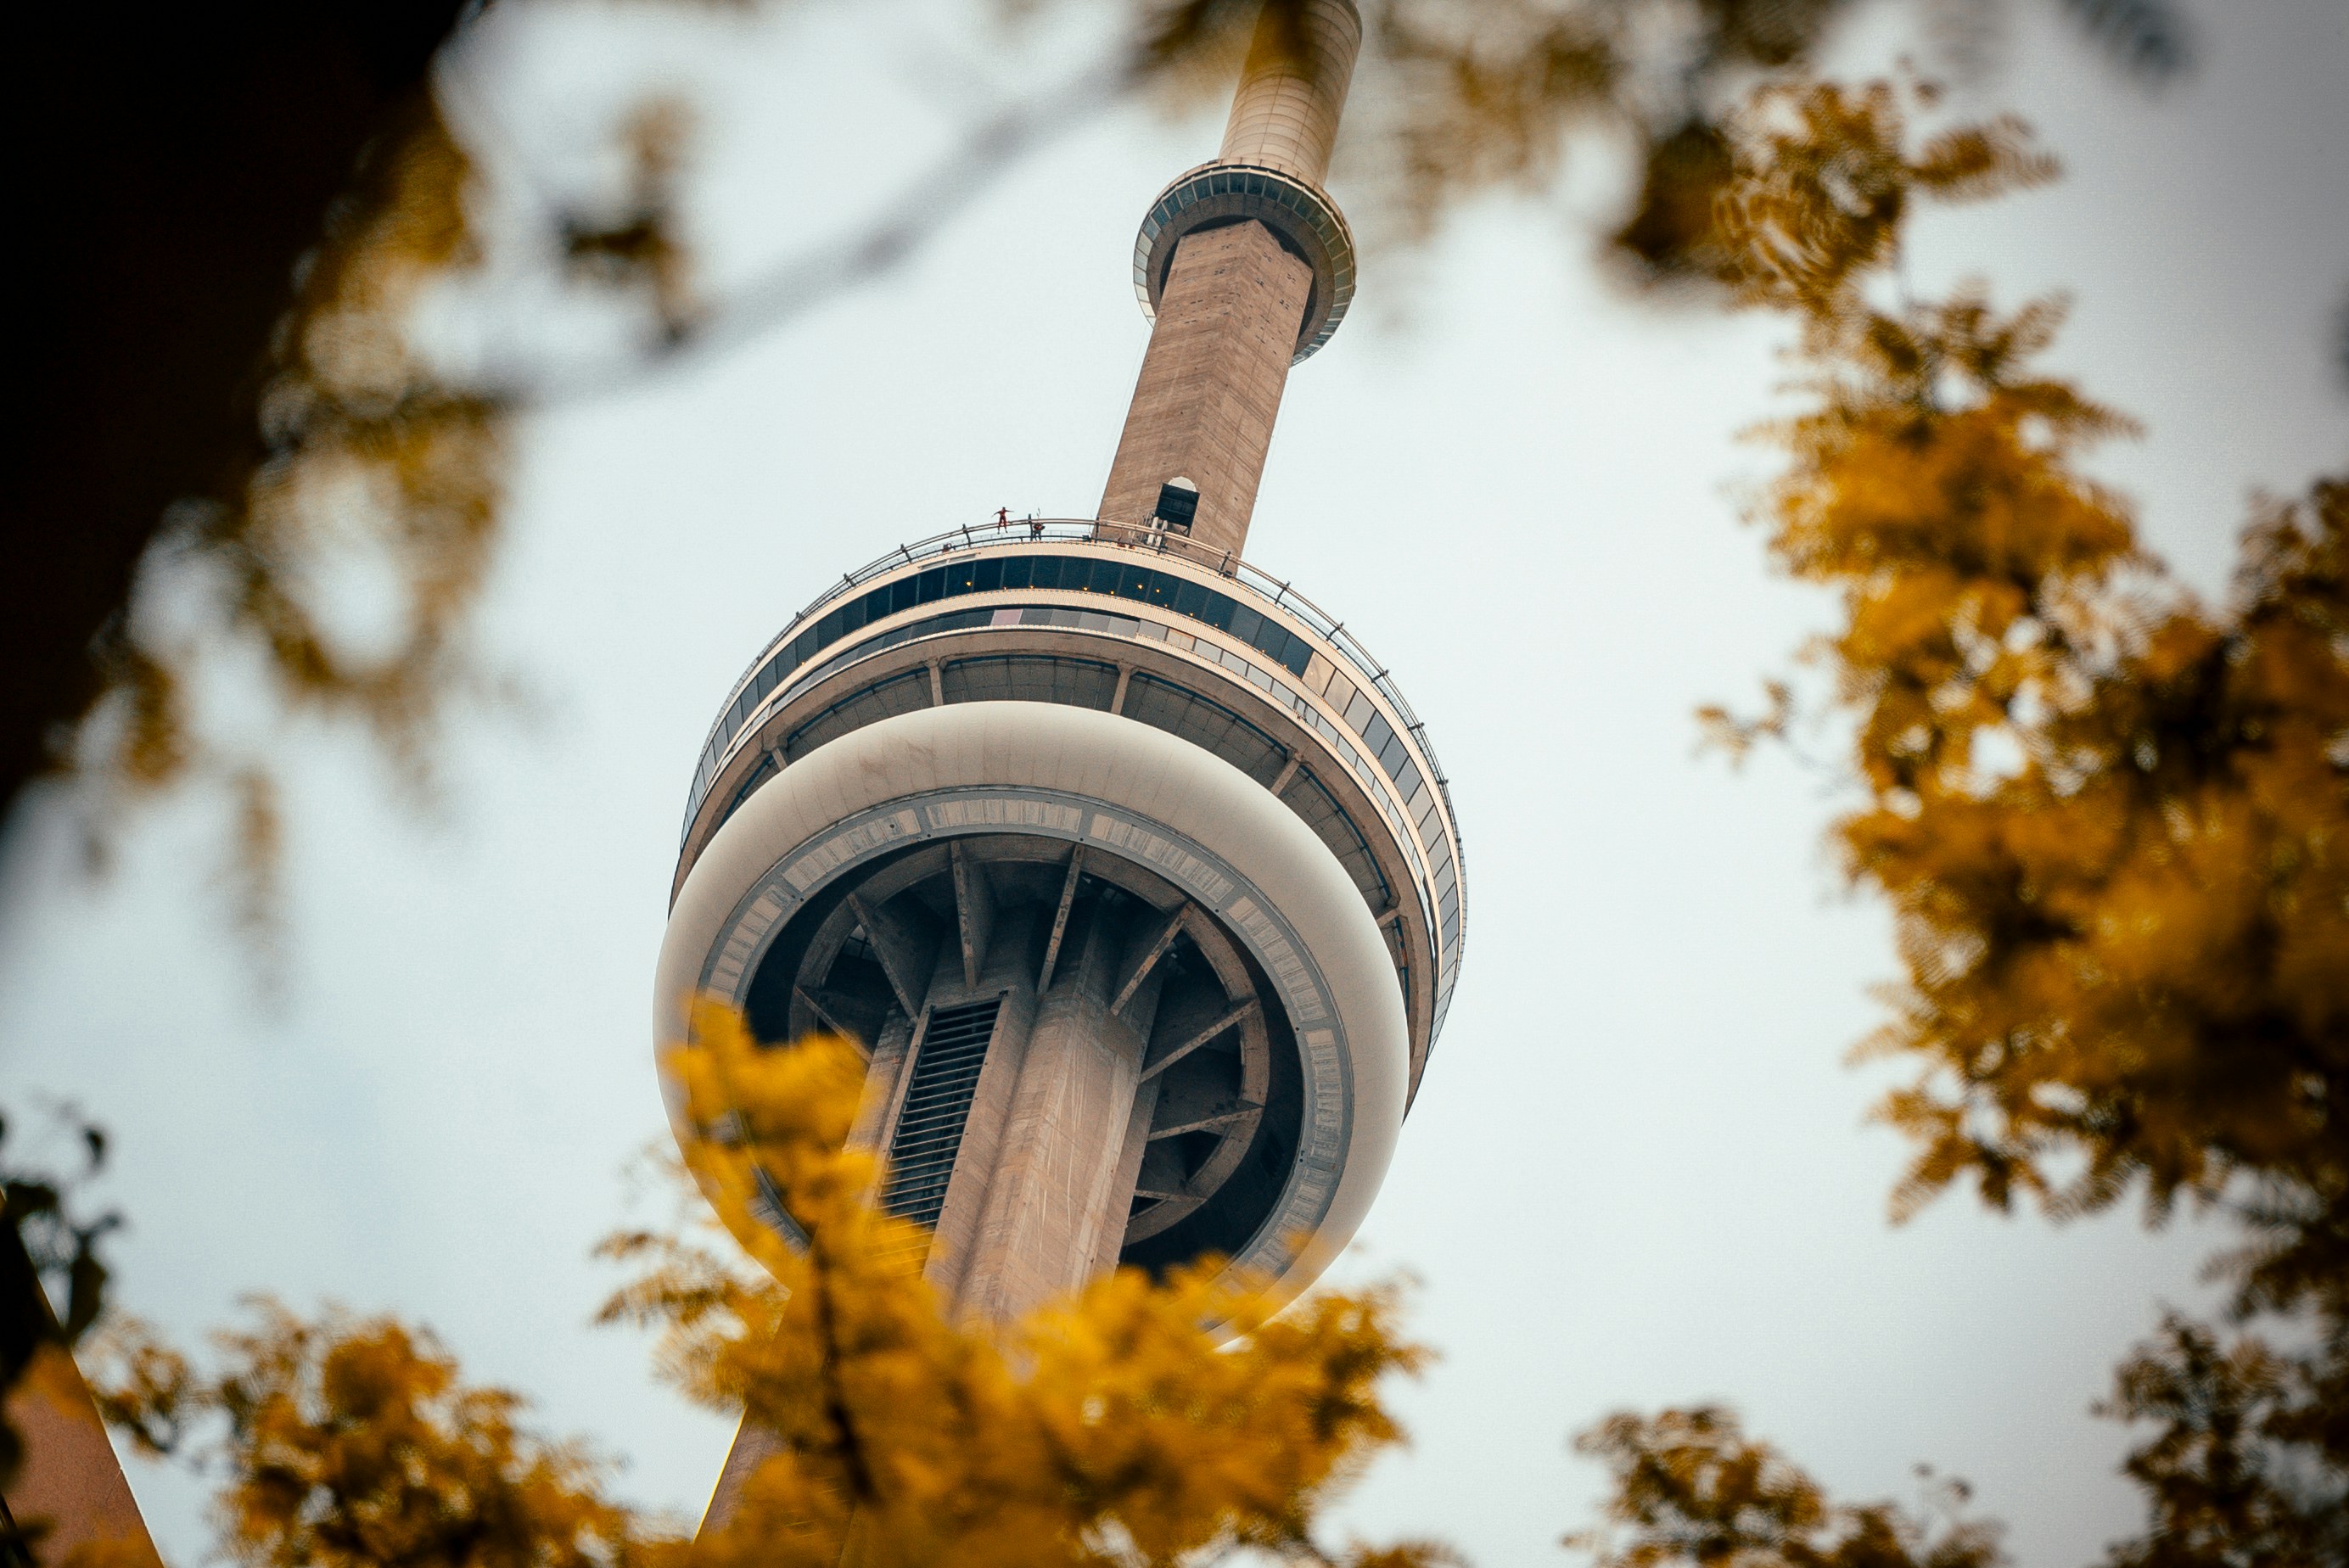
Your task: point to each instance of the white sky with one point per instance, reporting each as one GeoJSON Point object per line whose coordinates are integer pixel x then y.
{"type": "Point", "coordinates": [1637, 1174]}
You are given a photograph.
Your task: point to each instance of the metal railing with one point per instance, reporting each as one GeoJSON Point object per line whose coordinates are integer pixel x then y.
{"type": "Point", "coordinates": [1259, 584]}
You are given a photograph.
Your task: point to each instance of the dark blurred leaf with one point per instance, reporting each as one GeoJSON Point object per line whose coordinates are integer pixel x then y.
{"type": "Point", "coordinates": [2149, 38]}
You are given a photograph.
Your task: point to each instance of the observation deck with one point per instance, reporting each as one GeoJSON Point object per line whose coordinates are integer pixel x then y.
{"type": "Point", "coordinates": [1147, 625]}
{"type": "Point", "coordinates": [1131, 870]}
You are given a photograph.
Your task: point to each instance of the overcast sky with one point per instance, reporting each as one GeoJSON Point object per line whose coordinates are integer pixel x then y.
{"type": "Point", "coordinates": [1637, 1174]}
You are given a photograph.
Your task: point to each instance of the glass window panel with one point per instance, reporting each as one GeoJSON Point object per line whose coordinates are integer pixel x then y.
{"type": "Point", "coordinates": [877, 604]}
{"type": "Point", "coordinates": [852, 615]}
{"type": "Point", "coordinates": [933, 585]}
{"type": "Point", "coordinates": [1395, 756]}
{"type": "Point", "coordinates": [830, 628]}
{"type": "Point", "coordinates": [1298, 655]}
{"type": "Point", "coordinates": [1407, 786]}
{"type": "Point", "coordinates": [1341, 691]}
{"type": "Point", "coordinates": [904, 594]}
{"type": "Point", "coordinates": [1133, 582]}
{"type": "Point", "coordinates": [1245, 625]}
{"type": "Point", "coordinates": [1017, 571]}
{"type": "Point", "coordinates": [1190, 599]}
{"type": "Point", "coordinates": [1162, 587]}
{"type": "Point", "coordinates": [1359, 713]}
{"type": "Point", "coordinates": [987, 576]}
{"type": "Point", "coordinates": [1375, 734]}
{"type": "Point", "coordinates": [1218, 613]}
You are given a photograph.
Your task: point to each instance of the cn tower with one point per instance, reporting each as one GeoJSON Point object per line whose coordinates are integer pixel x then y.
{"type": "Point", "coordinates": [1128, 867]}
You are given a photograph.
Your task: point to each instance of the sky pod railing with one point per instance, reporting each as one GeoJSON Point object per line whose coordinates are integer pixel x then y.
{"type": "Point", "coordinates": [1273, 590]}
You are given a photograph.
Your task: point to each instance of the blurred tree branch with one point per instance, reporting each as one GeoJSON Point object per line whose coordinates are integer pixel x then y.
{"type": "Point", "coordinates": [185, 162]}
{"type": "Point", "coordinates": [235, 430]}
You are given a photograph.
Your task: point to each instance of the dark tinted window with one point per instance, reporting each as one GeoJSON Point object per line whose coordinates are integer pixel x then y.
{"type": "Point", "coordinates": [1068, 573]}
{"type": "Point", "coordinates": [1206, 724]}
{"type": "Point", "coordinates": [1026, 678]}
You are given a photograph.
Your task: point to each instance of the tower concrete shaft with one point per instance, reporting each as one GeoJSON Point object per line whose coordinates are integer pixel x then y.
{"type": "Point", "coordinates": [1235, 293]}
{"type": "Point", "coordinates": [1293, 88]}
{"type": "Point", "coordinates": [1131, 871]}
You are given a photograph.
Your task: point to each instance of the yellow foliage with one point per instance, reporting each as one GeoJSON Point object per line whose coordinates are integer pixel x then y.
{"type": "Point", "coordinates": [1689, 1487]}
{"type": "Point", "coordinates": [1109, 1428]}
{"type": "Point", "coordinates": [2112, 825]}
{"type": "Point", "coordinates": [351, 1441]}
{"type": "Point", "coordinates": [2113, 822]}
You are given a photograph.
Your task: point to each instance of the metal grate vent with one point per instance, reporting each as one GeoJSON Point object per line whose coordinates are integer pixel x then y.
{"type": "Point", "coordinates": [938, 1103]}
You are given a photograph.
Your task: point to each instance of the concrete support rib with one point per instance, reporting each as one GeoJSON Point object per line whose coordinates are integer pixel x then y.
{"type": "Point", "coordinates": [1048, 1194]}
{"type": "Point", "coordinates": [1237, 294]}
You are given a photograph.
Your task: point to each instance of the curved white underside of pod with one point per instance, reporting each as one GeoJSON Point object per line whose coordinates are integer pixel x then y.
{"type": "Point", "coordinates": [916, 774]}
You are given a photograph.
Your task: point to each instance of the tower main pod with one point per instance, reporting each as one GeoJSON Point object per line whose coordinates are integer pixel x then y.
{"type": "Point", "coordinates": [1131, 871]}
